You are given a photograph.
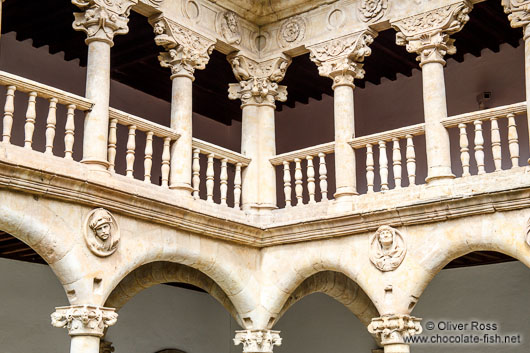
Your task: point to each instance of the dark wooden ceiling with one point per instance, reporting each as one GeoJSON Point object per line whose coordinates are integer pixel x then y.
{"type": "Point", "coordinates": [135, 63]}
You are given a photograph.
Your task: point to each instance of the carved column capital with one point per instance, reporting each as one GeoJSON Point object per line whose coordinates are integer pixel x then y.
{"type": "Point", "coordinates": [341, 59]}
{"type": "Point", "coordinates": [258, 341]}
{"type": "Point", "coordinates": [428, 34]}
{"type": "Point", "coordinates": [84, 320]}
{"type": "Point", "coordinates": [186, 51]}
{"type": "Point", "coordinates": [258, 81]}
{"type": "Point", "coordinates": [519, 14]}
{"type": "Point", "coordinates": [101, 20]}
{"type": "Point", "coordinates": [392, 329]}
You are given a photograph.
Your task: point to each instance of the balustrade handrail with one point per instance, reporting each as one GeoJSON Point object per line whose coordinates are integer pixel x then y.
{"type": "Point", "coordinates": [326, 148]}
{"type": "Point", "coordinates": [220, 152]}
{"type": "Point", "coordinates": [44, 91]}
{"type": "Point", "coordinates": [362, 141]}
{"type": "Point", "coordinates": [497, 112]}
{"type": "Point", "coordinates": [142, 124]}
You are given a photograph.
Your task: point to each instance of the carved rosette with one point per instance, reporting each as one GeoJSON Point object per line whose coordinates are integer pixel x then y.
{"type": "Point", "coordinates": [258, 81]}
{"type": "Point", "coordinates": [258, 341]}
{"type": "Point", "coordinates": [392, 329]}
{"type": "Point", "coordinates": [292, 31]}
{"type": "Point", "coordinates": [519, 14]}
{"type": "Point", "coordinates": [372, 10]}
{"type": "Point", "coordinates": [341, 59]}
{"type": "Point", "coordinates": [84, 320]}
{"type": "Point", "coordinates": [427, 34]}
{"type": "Point", "coordinates": [186, 51]}
{"type": "Point", "coordinates": [102, 19]}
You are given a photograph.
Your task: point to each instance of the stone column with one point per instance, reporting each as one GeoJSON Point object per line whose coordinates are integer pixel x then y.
{"type": "Point", "coordinates": [519, 15]}
{"type": "Point", "coordinates": [258, 341]}
{"type": "Point", "coordinates": [101, 22]}
{"type": "Point", "coordinates": [427, 35]}
{"type": "Point", "coordinates": [258, 90]}
{"type": "Point", "coordinates": [341, 60]}
{"type": "Point", "coordinates": [86, 325]}
{"type": "Point", "coordinates": [391, 330]}
{"type": "Point", "coordinates": [185, 52]}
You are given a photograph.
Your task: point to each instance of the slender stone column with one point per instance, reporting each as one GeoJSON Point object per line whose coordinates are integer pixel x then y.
{"type": "Point", "coordinates": [101, 22]}
{"type": "Point", "coordinates": [392, 329]}
{"type": "Point", "coordinates": [341, 60]}
{"type": "Point", "coordinates": [86, 325]}
{"type": "Point", "coordinates": [427, 35]}
{"type": "Point", "coordinates": [258, 90]}
{"type": "Point", "coordinates": [258, 341]}
{"type": "Point", "coordinates": [185, 52]}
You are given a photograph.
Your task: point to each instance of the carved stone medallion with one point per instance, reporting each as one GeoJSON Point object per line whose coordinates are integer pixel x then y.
{"type": "Point", "coordinates": [101, 232]}
{"type": "Point", "coordinates": [387, 248]}
{"type": "Point", "coordinates": [228, 26]}
{"type": "Point", "coordinates": [372, 10]}
{"type": "Point", "coordinates": [292, 31]}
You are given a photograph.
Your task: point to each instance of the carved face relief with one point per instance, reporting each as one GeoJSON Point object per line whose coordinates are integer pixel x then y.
{"type": "Point", "coordinates": [101, 232]}
{"type": "Point", "coordinates": [230, 28]}
{"type": "Point", "coordinates": [387, 248]}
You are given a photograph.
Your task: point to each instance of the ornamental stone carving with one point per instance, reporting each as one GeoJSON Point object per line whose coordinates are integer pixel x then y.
{"type": "Point", "coordinates": [372, 10]}
{"type": "Point", "coordinates": [102, 19]}
{"type": "Point", "coordinates": [341, 59]}
{"type": "Point", "coordinates": [258, 341]}
{"type": "Point", "coordinates": [258, 81]}
{"type": "Point", "coordinates": [387, 248]}
{"type": "Point", "coordinates": [106, 347]}
{"type": "Point", "coordinates": [228, 27]}
{"type": "Point", "coordinates": [186, 50]}
{"type": "Point", "coordinates": [519, 14]}
{"type": "Point", "coordinates": [292, 31]}
{"type": "Point", "coordinates": [392, 329]}
{"type": "Point", "coordinates": [528, 232]}
{"type": "Point", "coordinates": [84, 320]}
{"type": "Point", "coordinates": [102, 233]}
{"type": "Point", "coordinates": [427, 34]}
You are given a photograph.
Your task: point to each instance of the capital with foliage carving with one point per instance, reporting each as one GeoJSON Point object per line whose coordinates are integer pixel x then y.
{"type": "Point", "coordinates": [428, 34]}
{"type": "Point", "coordinates": [84, 320]}
{"type": "Point", "coordinates": [519, 14]}
{"type": "Point", "coordinates": [258, 81]}
{"type": "Point", "coordinates": [341, 59]}
{"type": "Point", "coordinates": [258, 341]}
{"type": "Point", "coordinates": [102, 19]}
{"type": "Point", "coordinates": [186, 51]}
{"type": "Point", "coordinates": [392, 329]}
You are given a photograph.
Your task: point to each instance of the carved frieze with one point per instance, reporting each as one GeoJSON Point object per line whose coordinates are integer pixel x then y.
{"type": "Point", "coordinates": [292, 31]}
{"type": "Point", "coordinates": [258, 341]}
{"type": "Point", "coordinates": [102, 19]}
{"type": "Point", "coordinates": [227, 24]}
{"type": "Point", "coordinates": [519, 13]}
{"type": "Point", "coordinates": [84, 320]}
{"type": "Point", "coordinates": [392, 329]}
{"type": "Point", "coordinates": [372, 10]}
{"type": "Point", "coordinates": [102, 233]}
{"type": "Point", "coordinates": [387, 248]}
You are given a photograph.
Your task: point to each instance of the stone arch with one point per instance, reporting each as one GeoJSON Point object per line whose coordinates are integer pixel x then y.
{"type": "Point", "coordinates": [160, 272]}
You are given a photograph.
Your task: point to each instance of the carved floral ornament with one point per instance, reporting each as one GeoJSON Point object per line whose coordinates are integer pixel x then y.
{"type": "Point", "coordinates": [102, 233]}
{"type": "Point", "coordinates": [102, 19]}
{"type": "Point", "coordinates": [387, 248]}
{"type": "Point", "coordinates": [372, 10]}
{"type": "Point", "coordinates": [84, 320]}
{"type": "Point", "coordinates": [392, 329]}
{"type": "Point", "coordinates": [258, 341]}
{"type": "Point", "coordinates": [292, 31]}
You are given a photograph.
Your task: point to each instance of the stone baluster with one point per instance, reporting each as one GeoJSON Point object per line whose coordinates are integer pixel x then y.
{"type": "Point", "coordinates": [310, 179]}
{"type": "Point", "coordinates": [464, 150]}
{"type": "Point", "coordinates": [9, 110]}
{"type": "Point", "coordinates": [196, 169]}
{"type": "Point", "coordinates": [370, 168]}
{"type": "Point", "coordinates": [258, 341]}
{"type": "Point", "coordinates": [224, 181]}
{"type": "Point", "coordinates": [148, 156]}
{"type": "Point", "coordinates": [513, 140]}
{"type": "Point", "coordinates": [186, 51]}
{"type": "Point", "coordinates": [298, 188]}
{"type": "Point", "coordinates": [51, 121]}
{"type": "Point", "coordinates": [479, 147]}
{"type": "Point", "coordinates": [237, 186]}
{"type": "Point", "coordinates": [86, 325]}
{"type": "Point", "coordinates": [411, 160]}
{"type": "Point", "coordinates": [496, 144]}
{"type": "Point", "coordinates": [287, 183]}
{"type": "Point", "coordinates": [209, 178]}
{"type": "Point", "coordinates": [383, 165]}
{"type": "Point", "coordinates": [391, 330]}
{"type": "Point", "coordinates": [113, 139]}
{"type": "Point", "coordinates": [396, 161]}
{"type": "Point", "coordinates": [31, 115]}
{"type": "Point", "coordinates": [166, 160]}
{"type": "Point", "coordinates": [323, 176]}
{"type": "Point", "coordinates": [69, 132]}
{"type": "Point", "coordinates": [343, 66]}
{"type": "Point", "coordinates": [131, 147]}
{"type": "Point", "coordinates": [101, 21]}
{"type": "Point", "coordinates": [427, 34]}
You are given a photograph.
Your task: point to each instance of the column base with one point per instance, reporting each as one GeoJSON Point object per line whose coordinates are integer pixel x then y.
{"type": "Point", "coordinates": [439, 176]}
{"type": "Point", "coordinates": [397, 348]}
{"type": "Point", "coordinates": [344, 200]}
{"type": "Point", "coordinates": [97, 165]}
{"type": "Point", "coordinates": [182, 190]}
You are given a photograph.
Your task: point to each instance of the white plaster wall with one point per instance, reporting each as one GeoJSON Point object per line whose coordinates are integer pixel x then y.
{"type": "Point", "coordinates": [168, 317]}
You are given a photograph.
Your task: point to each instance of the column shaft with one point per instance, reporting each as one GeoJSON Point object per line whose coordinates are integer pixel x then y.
{"type": "Point", "coordinates": [267, 150]}
{"type": "Point", "coordinates": [84, 344]}
{"type": "Point", "coordinates": [250, 148]}
{"type": "Point", "coordinates": [397, 348]}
